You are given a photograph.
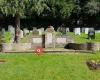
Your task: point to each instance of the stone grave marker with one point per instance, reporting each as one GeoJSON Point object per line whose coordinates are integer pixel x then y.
{"type": "Point", "coordinates": [62, 30]}
{"type": "Point", "coordinates": [67, 29]}
{"type": "Point", "coordinates": [30, 31]}
{"type": "Point", "coordinates": [86, 30]}
{"type": "Point", "coordinates": [50, 37]}
{"type": "Point", "coordinates": [97, 31]}
{"type": "Point", "coordinates": [82, 30]}
{"type": "Point", "coordinates": [21, 34]}
{"type": "Point", "coordinates": [77, 31]}
{"type": "Point", "coordinates": [91, 34]}
{"type": "Point", "coordinates": [3, 30]}
{"type": "Point", "coordinates": [11, 29]}
{"type": "Point", "coordinates": [35, 31]}
{"type": "Point", "coordinates": [40, 31]}
{"type": "Point", "coordinates": [25, 31]}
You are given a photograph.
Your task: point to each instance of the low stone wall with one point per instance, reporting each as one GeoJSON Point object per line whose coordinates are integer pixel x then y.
{"type": "Point", "coordinates": [84, 46]}
{"type": "Point", "coordinates": [30, 46]}
{"type": "Point", "coordinates": [14, 46]}
{"type": "Point", "coordinates": [61, 41]}
{"type": "Point", "coordinates": [93, 46]}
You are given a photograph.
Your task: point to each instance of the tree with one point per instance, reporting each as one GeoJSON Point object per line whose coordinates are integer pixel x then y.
{"type": "Point", "coordinates": [16, 8]}
{"type": "Point", "coordinates": [61, 8]}
{"type": "Point", "coordinates": [92, 7]}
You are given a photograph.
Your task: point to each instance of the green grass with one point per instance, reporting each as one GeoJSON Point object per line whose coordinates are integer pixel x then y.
{"type": "Point", "coordinates": [47, 67]}
{"type": "Point", "coordinates": [83, 37]}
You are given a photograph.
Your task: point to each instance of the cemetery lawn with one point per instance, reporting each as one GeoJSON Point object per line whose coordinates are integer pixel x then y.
{"type": "Point", "coordinates": [47, 67]}
{"type": "Point", "coordinates": [83, 37]}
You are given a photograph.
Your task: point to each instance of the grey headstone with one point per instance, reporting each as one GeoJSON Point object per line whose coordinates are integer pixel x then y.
{"type": "Point", "coordinates": [11, 29]}
{"type": "Point", "coordinates": [49, 37]}
{"type": "Point", "coordinates": [62, 30]}
{"type": "Point", "coordinates": [50, 29]}
{"type": "Point", "coordinates": [82, 30]}
{"type": "Point", "coordinates": [3, 30]}
{"type": "Point", "coordinates": [35, 31]}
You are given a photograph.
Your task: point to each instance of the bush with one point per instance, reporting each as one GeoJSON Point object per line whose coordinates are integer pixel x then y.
{"type": "Point", "coordinates": [7, 37]}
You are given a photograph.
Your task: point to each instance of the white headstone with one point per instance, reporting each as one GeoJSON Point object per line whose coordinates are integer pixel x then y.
{"type": "Point", "coordinates": [31, 31]}
{"type": "Point", "coordinates": [77, 31]}
{"type": "Point", "coordinates": [86, 30]}
{"type": "Point", "coordinates": [21, 34]}
{"type": "Point", "coordinates": [40, 31]}
{"type": "Point", "coordinates": [97, 31]}
{"type": "Point", "coordinates": [67, 29]}
{"type": "Point", "coordinates": [26, 31]}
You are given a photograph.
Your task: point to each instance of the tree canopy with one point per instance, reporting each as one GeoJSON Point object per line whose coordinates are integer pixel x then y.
{"type": "Point", "coordinates": [59, 9]}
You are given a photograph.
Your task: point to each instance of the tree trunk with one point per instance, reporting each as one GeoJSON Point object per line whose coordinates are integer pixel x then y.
{"type": "Point", "coordinates": [17, 28]}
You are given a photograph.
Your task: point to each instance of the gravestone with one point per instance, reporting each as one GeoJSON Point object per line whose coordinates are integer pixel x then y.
{"type": "Point", "coordinates": [77, 31]}
{"type": "Point", "coordinates": [35, 31]}
{"type": "Point", "coordinates": [30, 31]}
{"type": "Point", "coordinates": [25, 31]}
{"type": "Point", "coordinates": [82, 30]}
{"type": "Point", "coordinates": [91, 34]}
{"type": "Point", "coordinates": [21, 34]}
{"type": "Point", "coordinates": [3, 30]}
{"type": "Point", "coordinates": [86, 30]}
{"type": "Point", "coordinates": [11, 29]}
{"type": "Point", "coordinates": [97, 31]}
{"type": "Point", "coordinates": [67, 29]}
{"type": "Point", "coordinates": [40, 31]}
{"type": "Point", "coordinates": [50, 37]}
{"type": "Point", "coordinates": [62, 30]}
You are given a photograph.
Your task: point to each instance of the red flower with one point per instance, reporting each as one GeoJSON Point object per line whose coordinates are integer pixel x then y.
{"type": "Point", "coordinates": [39, 50]}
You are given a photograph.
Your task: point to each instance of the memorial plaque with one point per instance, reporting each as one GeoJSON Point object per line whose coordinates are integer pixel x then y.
{"type": "Point", "coordinates": [37, 40]}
